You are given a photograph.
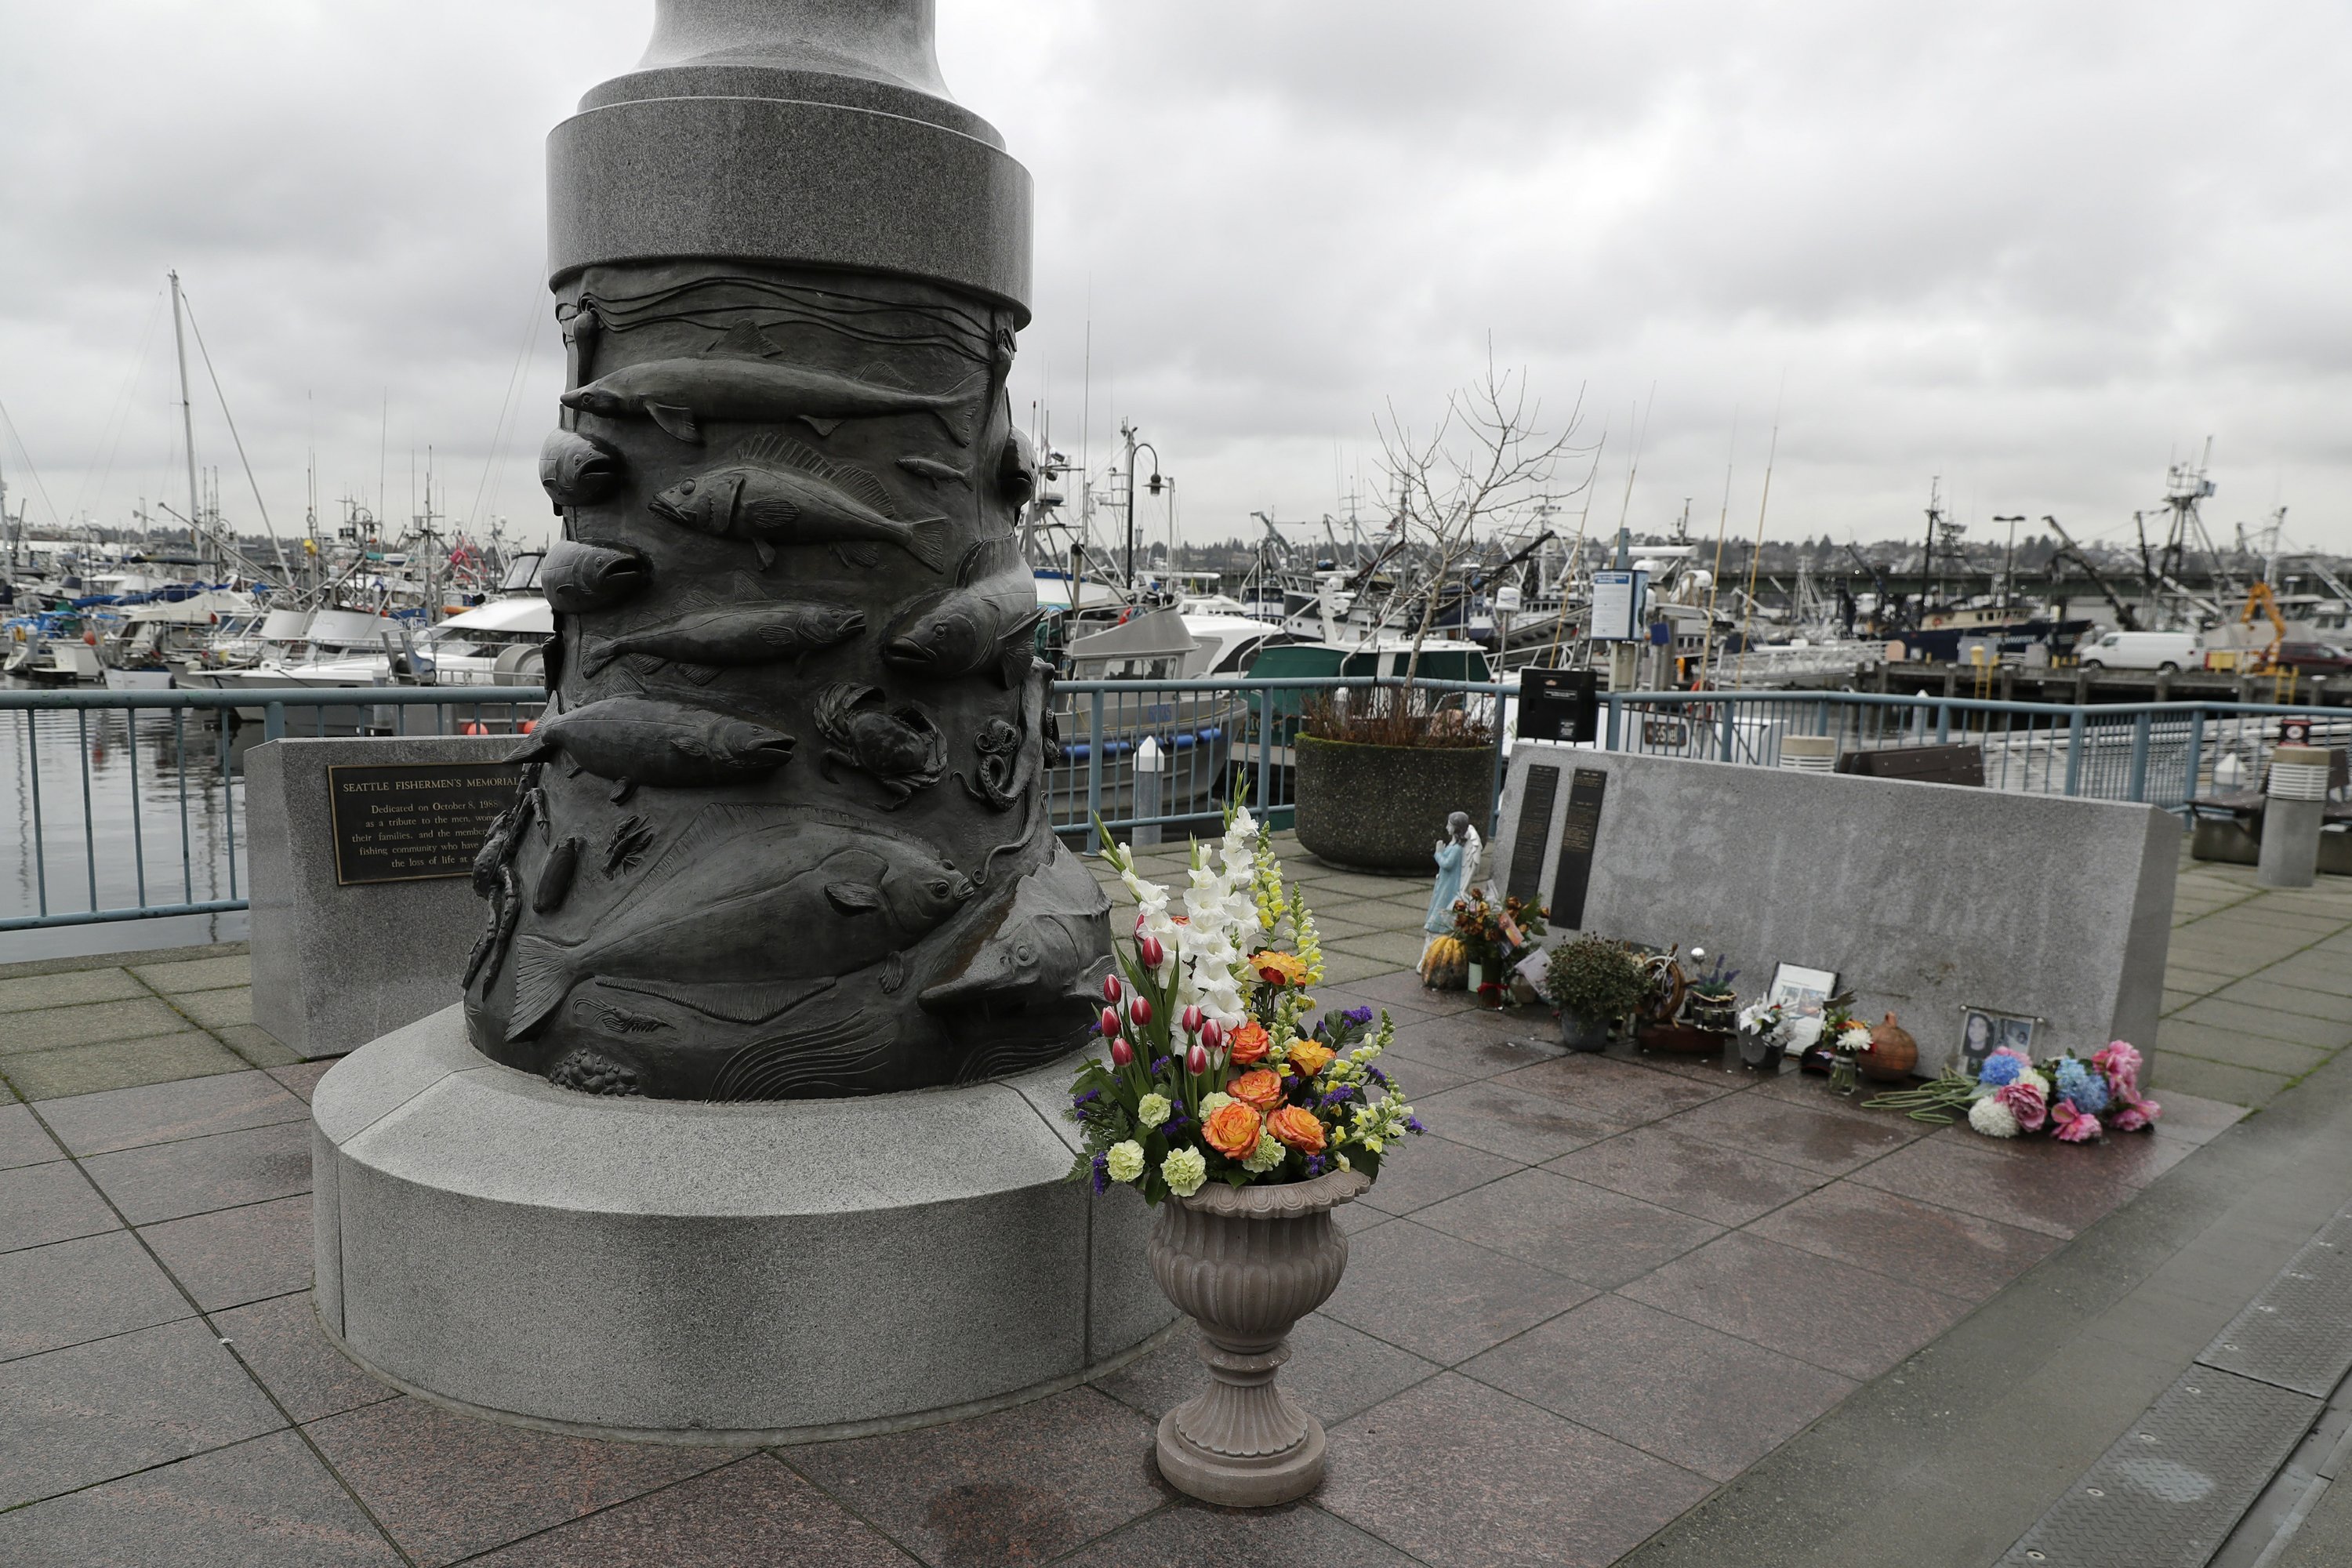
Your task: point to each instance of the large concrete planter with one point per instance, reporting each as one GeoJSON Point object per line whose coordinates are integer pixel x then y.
{"type": "Point", "coordinates": [1246, 1263]}
{"type": "Point", "coordinates": [1384, 808]}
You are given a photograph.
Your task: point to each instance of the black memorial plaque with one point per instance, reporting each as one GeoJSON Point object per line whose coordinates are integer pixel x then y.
{"type": "Point", "coordinates": [1535, 827]}
{"type": "Point", "coordinates": [1573, 871]}
{"type": "Point", "coordinates": [409, 822]}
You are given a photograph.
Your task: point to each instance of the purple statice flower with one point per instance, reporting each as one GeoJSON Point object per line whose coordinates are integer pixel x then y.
{"type": "Point", "coordinates": [1413, 1124]}
{"type": "Point", "coordinates": [1378, 1077]}
{"type": "Point", "coordinates": [1102, 1173]}
{"type": "Point", "coordinates": [1345, 1091]}
{"type": "Point", "coordinates": [1090, 1095]}
{"type": "Point", "coordinates": [1313, 1165]}
{"type": "Point", "coordinates": [1161, 1065]}
{"type": "Point", "coordinates": [1358, 1014]}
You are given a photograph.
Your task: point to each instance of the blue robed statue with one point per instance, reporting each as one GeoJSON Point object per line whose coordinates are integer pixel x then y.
{"type": "Point", "coordinates": [1458, 868]}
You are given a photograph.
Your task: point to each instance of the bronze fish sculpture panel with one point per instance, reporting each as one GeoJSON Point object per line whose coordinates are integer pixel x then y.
{"type": "Point", "coordinates": [699, 644]}
{"type": "Point", "coordinates": [791, 902]}
{"type": "Point", "coordinates": [744, 376]}
{"type": "Point", "coordinates": [901, 750]}
{"type": "Point", "coordinates": [576, 470]}
{"type": "Point", "coordinates": [578, 578]}
{"type": "Point", "coordinates": [986, 622]}
{"type": "Point", "coordinates": [937, 472]}
{"type": "Point", "coordinates": [773, 491]}
{"type": "Point", "coordinates": [635, 740]}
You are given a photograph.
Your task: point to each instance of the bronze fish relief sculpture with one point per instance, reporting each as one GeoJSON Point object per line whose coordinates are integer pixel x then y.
{"type": "Point", "coordinates": [773, 491]}
{"type": "Point", "coordinates": [635, 740]}
{"type": "Point", "coordinates": [580, 578]}
{"type": "Point", "coordinates": [745, 377]}
{"type": "Point", "coordinates": [792, 901]}
{"type": "Point", "coordinates": [986, 622]}
{"type": "Point", "coordinates": [900, 749]}
{"type": "Point", "coordinates": [702, 642]}
{"type": "Point", "coordinates": [576, 470]}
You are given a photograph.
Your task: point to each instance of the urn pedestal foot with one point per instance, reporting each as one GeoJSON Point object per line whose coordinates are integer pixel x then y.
{"type": "Point", "coordinates": [1243, 1442]}
{"type": "Point", "coordinates": [1240, 1481]}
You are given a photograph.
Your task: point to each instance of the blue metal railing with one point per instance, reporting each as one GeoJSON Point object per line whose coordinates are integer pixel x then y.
{"type": "Point", "coordinates": [150, 767]}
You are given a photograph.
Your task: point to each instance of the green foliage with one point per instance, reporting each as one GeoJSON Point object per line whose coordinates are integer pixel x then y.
{"type": "Point", "coordinates": [1594, 979]}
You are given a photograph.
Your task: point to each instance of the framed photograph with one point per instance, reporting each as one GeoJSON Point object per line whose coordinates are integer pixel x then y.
{"type": "Point", "coordinates": [1804, 992]}
{"type": "Point", "coordinates": [1984, 1030]}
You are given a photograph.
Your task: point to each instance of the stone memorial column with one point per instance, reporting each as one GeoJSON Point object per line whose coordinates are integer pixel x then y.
{"type": "Point", "coordinates": [784, 832]}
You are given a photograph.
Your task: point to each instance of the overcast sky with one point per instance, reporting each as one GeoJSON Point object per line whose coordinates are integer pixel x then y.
{"type": "Point", "coordinates": [2039, 250]}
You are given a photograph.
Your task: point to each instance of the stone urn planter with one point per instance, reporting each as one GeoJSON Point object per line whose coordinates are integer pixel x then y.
{"type": "Point", "coordinates": [1246, 1263]}
{"type": "Point", "coordinates": [1384, 808]}
{"type": "Point", "coordinates": [1578, 1033]}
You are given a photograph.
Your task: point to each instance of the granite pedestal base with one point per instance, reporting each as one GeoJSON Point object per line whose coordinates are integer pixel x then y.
{"type": "Point", "coordinates": [675, 1271]}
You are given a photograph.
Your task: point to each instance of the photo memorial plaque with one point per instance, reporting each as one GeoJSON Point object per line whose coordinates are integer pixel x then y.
{"type": "Point", "coordinates": [405, 823]}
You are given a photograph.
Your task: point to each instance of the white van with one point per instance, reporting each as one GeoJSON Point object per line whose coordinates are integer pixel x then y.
{"type": "Point", "coordinates": [2166, 651]}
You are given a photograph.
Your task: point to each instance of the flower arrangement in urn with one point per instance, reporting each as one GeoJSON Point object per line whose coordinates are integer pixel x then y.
{"type": "Point", "coordinates": [1245, 1121]}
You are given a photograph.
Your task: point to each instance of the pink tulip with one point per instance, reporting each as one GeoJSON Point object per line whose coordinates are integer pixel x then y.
{"type": "Point", "coordinates": [1212, 1034]}
{"type": "Point", "coordinates": [1122, 1053]}
{"type": "Point", "coordinates": [1196, 1060]}
{"type": "Point", "coordinates": [1109, 1024]}
{"type": "Point", "coordinates": [1112, 990]}
{"type": "Point", "coordinates": [1151, 953]}
{"type": "Point", "coordinates": [1192, 1020]}
{"type": "Point", "coordinates": [1138, 1012]}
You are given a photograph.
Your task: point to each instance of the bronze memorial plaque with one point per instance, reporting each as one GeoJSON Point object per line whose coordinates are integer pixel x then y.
{"type": "Point", "coordinates": [408, 822]}
{"type": "Point", "coordinates": [1573, 871]}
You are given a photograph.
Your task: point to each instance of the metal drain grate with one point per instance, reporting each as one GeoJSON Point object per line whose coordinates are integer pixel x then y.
{"type": "Point", "coordinates": [2297, 1333]}
{"type": "Point", "coordinates": [2167, 1493]}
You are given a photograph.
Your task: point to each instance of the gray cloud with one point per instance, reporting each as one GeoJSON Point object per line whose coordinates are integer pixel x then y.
{"type": "Point", "coordinates": [2035, 248]}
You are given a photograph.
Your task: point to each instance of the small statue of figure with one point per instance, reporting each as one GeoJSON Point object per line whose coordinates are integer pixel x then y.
{"type": "Point", "coordinates": [1457, 870]}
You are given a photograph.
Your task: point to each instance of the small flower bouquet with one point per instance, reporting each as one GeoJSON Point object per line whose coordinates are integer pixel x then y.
{"type": "Point", "coordinates": [1212, 1072]}
{"type": "Point", "coordinates": [1479, 926]}
{"type": "Point", "coordinates": [2012, 1095]}
{"type": "Point", "coordinates": [1849, 1039]}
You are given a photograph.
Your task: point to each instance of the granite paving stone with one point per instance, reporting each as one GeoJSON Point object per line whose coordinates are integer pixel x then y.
{"type": "Point", "coordinates": [259, 1045]}
{"type": "Point", "coordinates": [2318, 970]}
{"type": "Point", "coordinates": [1348, 967]}
{"type": "Point", "coordinates": [2235, 1047]}
{"type": "Point", "coordinates": [2012, 1187]}
{"type": "Point", "coordinates": [157, 1114]}
{"type": "Point", "coordinates": [1695, 1397]}
{"type": "Point", "coordinates": [1403, 987]}
{"type": "Point", "coordinates": [1334, 1371]}
{"type": "Point", "coordinates": [120, 1064]}
{"type": "Point", "coordinates": [1711, 1181]}
{"type": "Point", "coordinates": [1962, 1255]}
{"type": "Point", "coordinates": [2333, 1005]}
{"type": "Point", "coordinates": [2194, 1119]}
{"type": "Point", "coordinates": [1463, 1475]}
{"type": "Point", "coordinates": [34, 992]}
{"type": "Point", "coordinates": [73, 1417]}
{"type": "Point", "coordinates": [70, 1292]}
{"type": "Point", "coordinates": [1428, 1169]}
{"type": "Point", "coordinates": [22, 1140]}
{"type": "Point", "coordinates": [301, 1078]}
{"type": "Point", "coordinates": [1814, 1139]}
{"type": "Point", "coordinates": [265, 1503]}
{"type": "Point", "coordinates": [230, 1257]}
{"type": "Point", "coordinates": [42, 1204]}
{"type": "Point", "coordinates": [1354, 1219]}
{"type": "Point", "coordinates": [1590, 1234]}
{"type": "Point", "coordinates": [752, 1511]}
{"type": "Point", "coordinates": [90, 1024]}
{"type": "Point", "coordinates": [1518, 1126]}
{"type": "Point", "coordinates": [167, 1181]}
{"type": "Point", "coordinates": [1623, 1092]}
{"type": "Point", "coordinates": [1831, 1314]}
{"type": "Point", "coordinates": [1187, 1534]}
{"type": "Point", "coordinates": [1467, 1051]}
{"type": "Point", "coordinates": [280, 1342]}
{"type": "Point", "coordinates": [1397, 947]}
{"type": "Point", "coordinates": [234, 969]}
{"type": "Point", "coordinates": [2218, 1080]}
{"type": "Point", "coordinates": [1021, 1486]}
{"type": "Point", "coordinates": [216, 1010]}
{"type": "Point", "coordinates": [1441, 1298]}
{"type": "Point", "coordinates": [2240, 1015]}
{"type": "Point", "coordinates": [448, 1485]}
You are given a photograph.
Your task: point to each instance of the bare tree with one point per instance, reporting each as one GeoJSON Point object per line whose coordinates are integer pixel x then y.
{"type": "Point", "coordinates": [1487, 455]}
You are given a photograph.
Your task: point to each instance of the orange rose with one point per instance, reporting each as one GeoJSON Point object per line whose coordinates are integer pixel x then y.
{"type": "Point", "coordinates": [1232, 1130]}
{"type": "Point", "coordinates": [1308, 1058]}
{"type": "Point", "coordinates": [1249, 1044]}
{"type": "Point", "coordinates": [1259, 1088]}
{"type": "Point", "coordinates": [1297, 1128]}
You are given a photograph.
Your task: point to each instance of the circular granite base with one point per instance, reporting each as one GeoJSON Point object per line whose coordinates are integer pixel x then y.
{"type": "Point", "coordinates": [673, 1271]}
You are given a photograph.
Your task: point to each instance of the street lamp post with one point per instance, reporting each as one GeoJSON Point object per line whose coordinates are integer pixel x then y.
{"type": "Point", "coordinates": [1133, 445]}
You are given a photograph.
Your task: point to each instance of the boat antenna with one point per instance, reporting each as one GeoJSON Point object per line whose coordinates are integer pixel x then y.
{"type": "Point", "coordinates": [1771, 454]}
{"type": "Point", "coordinates": [284, 570]}
{"type": "Point", "coordinates": [1722, 523]}
{"type": "Point", "coordinates": [188, 420]}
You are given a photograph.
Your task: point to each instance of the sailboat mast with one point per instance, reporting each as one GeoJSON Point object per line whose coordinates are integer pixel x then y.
{"type": "Point", "coordinates": [187, 422]}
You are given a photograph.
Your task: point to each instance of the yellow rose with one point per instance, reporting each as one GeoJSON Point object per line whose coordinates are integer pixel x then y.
{"type": "Point", "coordinates": [1308, 1058]}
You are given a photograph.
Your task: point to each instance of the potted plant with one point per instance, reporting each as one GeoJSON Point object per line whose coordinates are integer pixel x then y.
{"type": "Point", "coordinates": [1381, 769]}
{"type": "Point", "coordinates": [1593, 983]}
{"type": "Point", "coordinates": [1246, 1126]}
